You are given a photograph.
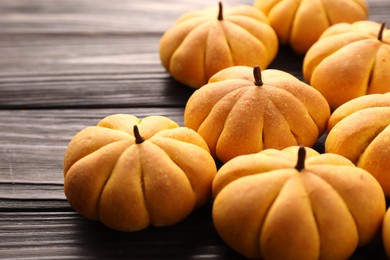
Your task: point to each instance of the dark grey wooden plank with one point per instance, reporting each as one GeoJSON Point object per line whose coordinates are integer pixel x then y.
{"type": "Point", "coordinates": [50, 58]}
{"type": "Point", "coordinates": [99, 71]}
{"type": "Point", "coordinates": [379, 11]}
{"type": "Point", "coordinates": [81, 16]}
{"type": "Point", "coordinates": [87, 53]}
{"type": "Point", "coordinates": [64, 235]}
{"type": "Point", "coordinates": [117, 16]}
{"type": "Point", "coordinates": [69, 71]}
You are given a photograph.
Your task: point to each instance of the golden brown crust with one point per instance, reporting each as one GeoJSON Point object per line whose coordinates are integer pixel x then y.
{"type": "Point", "coordinates": [367, 101]}
{"type": "Point", "coordinates": [267, 209]}
{"type": "Point", "coordinates": [324, 48]}
{"type": "Point", "coordinates": [129, 186]}
{"type": "Point", "coordinates": [199, 45]}
{"type": "Point", "coordinates": [363, 137]}
{"type": "Point", "coordinates": [353, 134]}
{"type": "Point", "coordinates": [296, 25]}
{"type": "Point", "coordinates": [349, 61]}
{"type": "Point", "coordinates": [90, 140]}
{"type": "Point", "coordinates": [235, 116]}
{"type": "Point", "coordinates": [85, 179]}
{"type": "Point", "coordinates": [238, 219]}
{"type": "Point", "coordinates": [376, 159]}
{"type": "Point", "coordinates": [345, 75]}
{"type": "Point", "coordinates": [255, 163]}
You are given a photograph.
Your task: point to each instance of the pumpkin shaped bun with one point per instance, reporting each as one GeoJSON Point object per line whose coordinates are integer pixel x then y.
{"type": "Point", "coordinates": [243, 110]}
{"type": "Point", "coordinates": [130, 173]}
{"type": "Point", "coordinates": [349, 61]}
{"type": "Point", "coordinates": [204, 42]}
{"type": "Point", "coordinates": [301, 23]}
{"type": "Point", "coordinates": [360, 131]}
{"type": "Point", "coordinates": [296, 204]}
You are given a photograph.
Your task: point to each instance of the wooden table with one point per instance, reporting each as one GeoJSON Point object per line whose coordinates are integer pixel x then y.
{"type": "Point", "coordinates": [65, 65]}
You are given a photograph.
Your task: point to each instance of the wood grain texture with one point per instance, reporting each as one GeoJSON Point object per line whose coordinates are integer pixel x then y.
{"type": "Point", "coordinates": [65, 65]}
{"type": "Point", "coordinates": [60, 236]}
{"type": "Point", "coordinates": [82, 71]}
{"type": "Point", "coordinates": [113, 71]}
{"type": "Point", "coordinates": [90, 16]}
{"type": "Point", "coordinates": [87, 54]}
